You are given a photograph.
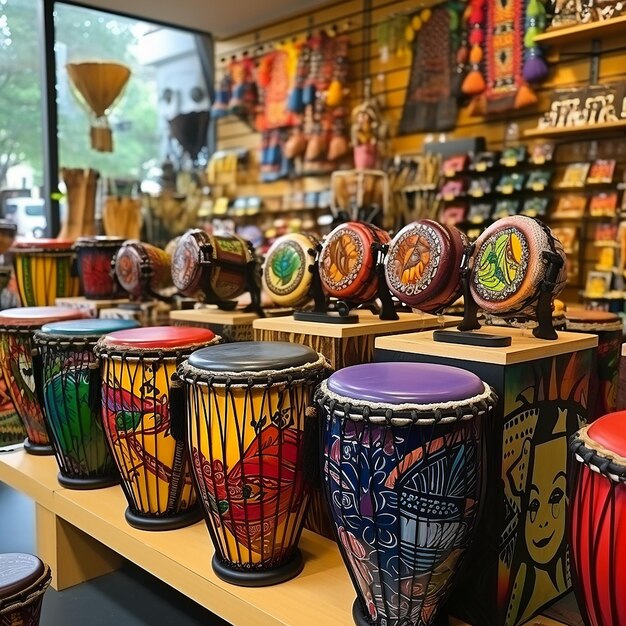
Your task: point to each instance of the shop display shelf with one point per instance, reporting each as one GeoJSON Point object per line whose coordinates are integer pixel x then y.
{"type": "Point", "coordinates": [572, 131]}
{"type": "Point", "coordinates": [581, 33]}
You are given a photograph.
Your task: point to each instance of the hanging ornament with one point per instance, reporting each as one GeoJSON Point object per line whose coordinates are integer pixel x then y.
{"type": "Point", "coordinates": [535, 68]}
{"type": "Point", "coordinates": [474, 83]}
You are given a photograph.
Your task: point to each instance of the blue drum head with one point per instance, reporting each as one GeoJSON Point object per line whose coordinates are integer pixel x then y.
{"type": "Point", "coordinates": [89, 326]}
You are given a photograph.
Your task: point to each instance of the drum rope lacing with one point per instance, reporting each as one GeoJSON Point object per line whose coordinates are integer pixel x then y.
{"type": "Point", "coordinates": [443, 412]}
{"type": "Point", "coordinates": [595, 327]}
{"type": "Point", "coordinates": [598, 458]}
{"type": "Point", "coordinates": [23, 598]}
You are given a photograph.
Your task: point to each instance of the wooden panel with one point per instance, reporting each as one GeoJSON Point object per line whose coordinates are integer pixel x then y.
{"type": "Point", "coordinates": [36, 476]}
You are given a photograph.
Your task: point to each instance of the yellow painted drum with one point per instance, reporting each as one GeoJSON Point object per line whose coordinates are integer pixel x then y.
{"type": "Point", "coordinates": [136, 367]}
{"type": "Point", "coordinates": [246, 405]}
{"type": "Point", "coordinates": [44, 270]}
{"type": "Point", "coordinates": [287, 276]}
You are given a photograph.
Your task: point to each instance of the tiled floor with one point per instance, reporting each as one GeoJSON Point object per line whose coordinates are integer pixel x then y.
{"type": "Point", "coordinates": [128, 597]}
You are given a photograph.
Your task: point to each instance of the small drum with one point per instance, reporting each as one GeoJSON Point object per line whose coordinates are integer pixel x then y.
{"type": "Point", "coordinates": [24, 580]}
{"type": "Point", "coordinates": [246, 406]}
{"type": "Point", "coordinates": [142, 269]}
{"type": "Point", "coordinates": [604, 377]}
{"type": "Point", "coordinates": [137, 366]}
{"type": "Point", "coordinates": [423, 265]}
{"type": "Point", "coordinates": [69, 384]}
{"type": "Point", "coordinates": [17, 327]}
{"type": "Point", "coordinates": [348, 262]}
{"type": "Point", "coordinates": [511, 263]}
{"type": "Point", "coordinates": [95, 266]}
{"type": "Point", "coordinates": [402, 468]}
{"type": "Point", "coordinates": [598, 523]}
{"type": "Point", "coordinates": [43, 269]}
{"type": "Point", "coordinates": [287, 274]}
{"type": "Point", "coordinates": [216, 265]}
{"type": "Point", "coordinates": [8, 230]}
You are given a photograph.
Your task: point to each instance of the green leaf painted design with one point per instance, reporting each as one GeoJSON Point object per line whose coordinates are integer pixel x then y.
{"type": "Point", "coordinates": [285, 264]}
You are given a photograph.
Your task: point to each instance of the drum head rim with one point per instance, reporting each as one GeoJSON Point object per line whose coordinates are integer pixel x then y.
{"type": "Point", "coordinates": [7, 322]}
{"type": "Point", "coordinates": [46, 245]}
{"type": "Point", "coordinates": [597, 458]}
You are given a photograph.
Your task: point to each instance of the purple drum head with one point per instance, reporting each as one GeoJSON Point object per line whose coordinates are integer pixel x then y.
{"type": "Point", "coordinates": [405, 383]}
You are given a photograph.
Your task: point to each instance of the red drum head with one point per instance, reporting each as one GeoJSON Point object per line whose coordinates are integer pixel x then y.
{"type": "Point", "coordinates": [610, 432]}
{"type": "Point", "coordinates": [38, 315]}
{"type": "Point", "coordinates": [159, 337]}
{"type": "Point", "coordinates": [25, 245]}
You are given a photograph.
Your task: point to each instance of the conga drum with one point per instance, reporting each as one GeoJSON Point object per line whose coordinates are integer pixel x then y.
{"type": "Point", "coordinates": [605, 377]}
{"type": "Point", "coordinates": [348, 261]}
{"type": "Point", "coordinates": [136, 369]}
{"type": "Point", "coordinates": [287, 274]}
{"type": "Point", "coordinates": [216, 265]}
{"type": "Point", "coordinates": [68, 379]}
{"type": "Point", "coordinates": [423, 265]}
{"type": "Point", "coordinates": [509, 265]}
{"type": "Point", "coordinates": [245, 406]}
{"type": "Point", "coordinates": [44, 271]}
{"type": "Point", "coordinates": [95, 266]}
{"type": "Point", "coordinates": [402, 469]}
{"type": "Point", "coordinates": [24, 580]}
{"type": "Point", "coordinates": [142, 269]}
{"type": "Point", "coordinates": [17, 327]}
{"type": "Point", "coordinates": [598, 520]}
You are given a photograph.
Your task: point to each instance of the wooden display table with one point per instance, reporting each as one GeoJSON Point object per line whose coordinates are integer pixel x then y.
{"type": "Point", "coordinates": [82, 534]}
{"type": "Point", "coordinates": [229, 325]}
{"type": "Point", "coordinates": [519, 556]}
{"type": "Point", "coordinates": [93, 307]}
{"type": "Point", "coordinates": [153, 313]}
{"type": "Point", "coordinates": [345, 344]}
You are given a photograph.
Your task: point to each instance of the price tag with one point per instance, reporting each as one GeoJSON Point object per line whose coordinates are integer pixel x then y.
{"type": "Point", "coordinates": [538, 186]}
{"type": "Point", "coordinates": [509, 162]}
{"type": "Point", "coordinates": [481, 166]}
{"type": "Point", "coordinates": [507, 190]}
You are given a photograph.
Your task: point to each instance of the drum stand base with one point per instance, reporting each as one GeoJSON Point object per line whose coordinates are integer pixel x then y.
{"type": "Point", "coordinates": [264, 578]}
{"type": "Point", "coordinates": [89, 482]}
{"type": "Point", "coordinates": [173, 522]}
{"type": "Point", "coordinates": [38, 449]}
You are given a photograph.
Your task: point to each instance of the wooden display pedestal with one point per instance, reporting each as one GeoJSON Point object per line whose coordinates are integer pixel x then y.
{"type": "Point", "coordinates": [229, 325]}
{"type": "Point", "coordinates": [519, 561]}
{"type": "Point", "coordinates": [93, 307]}
{"type": "Point", "coordinates": [153, 313]}
{"type": "Point", "coordinates": [345, 344]}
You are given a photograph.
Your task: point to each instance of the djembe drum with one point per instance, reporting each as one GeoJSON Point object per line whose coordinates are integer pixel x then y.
{"type": "Point", "coordinates": [142, 269]}
{"type": "Point", "coordinates": [423, 265]}
{"type": "Point", "coordinates": [136, 368]}
{"type": "Point", "coordinates": [216, 265]}
{"type": "Point", "coordinates": [605, 377]}
{"type": "Point", "coordinates": [24, 580]}
{"type": "Point", "coordinates": [598, 520]}
{"type": "Point", "coordinates": [95, 266]}
{"type": "Point", "coordinates": [68, 382]}
{"type": "Point", "coordinates": [287, 272]}
{"type": "Point", "coordinates": [17, 327]}
{"type": "Point", "coordinates": [402, 456]}
{"type": "Point", "coordinates": [43, 269]}
{"type": "Point", "coordinates": [246, 405]}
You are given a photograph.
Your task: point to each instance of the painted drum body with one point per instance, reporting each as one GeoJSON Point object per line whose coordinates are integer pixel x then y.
{"type": "Point", "coordinates": [402, 470]}
{"type": "Point", "coordinates": [348, 264]}
{"type": "Point", "coordinates": [508, 266]}
{"type": "Point", "coordinates": [216, 265]}
{"type": "Point", "coordinates": [136, 368]}
{"type": "Point", "coordinates": [598, 520]}
{"type": "Point", "coordinates": [70, 385]}
{"type": "Point", "coordinates": [44, 271]}
{"type": "Point", "coordinates": [142, 268]}
{"type": "Point", "coordinates": [17, 327]}
{"type": "Point", "coordinates": [245, 414]}
{"type": "Point", "coordinates": [286, 274]}
{"type": "Point", "coordinates": [95, 266]}
{"type": "Point", "coordinates": [423, 265]}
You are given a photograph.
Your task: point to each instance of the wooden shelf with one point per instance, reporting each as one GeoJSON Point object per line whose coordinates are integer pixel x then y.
{"type": "Point", "coordinates": [36, 476]}
{"type": "Point", "coordinates": [620, 125]}
{"type": "Point", "coordinates": [581, 33]}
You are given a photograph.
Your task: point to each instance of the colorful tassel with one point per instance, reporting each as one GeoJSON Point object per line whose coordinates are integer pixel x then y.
{"type": "Point", "coordinates": [474, 83]}
{"type": "Point", "coordinates": [535, 68]}
{"type": "Point", "coordinates": [525, 97]}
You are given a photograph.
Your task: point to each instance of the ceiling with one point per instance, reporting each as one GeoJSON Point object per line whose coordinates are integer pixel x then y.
{"type": "Point", "coordinates": [220, 17]}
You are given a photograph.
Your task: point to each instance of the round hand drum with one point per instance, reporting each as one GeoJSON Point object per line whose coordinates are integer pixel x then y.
{"type": "Point", "coordinates": [598, 522]}
{"type": "Point", "coordinates": [286, 274]}
{"type": "Point", "coordinates": [246, 406]}
{"type": "Point", "coordinates": [403, 478]}
{"type": "Point", "coordinates": [423, 265]}
{"type": "Point", "coordinates": [348, 262]}
{"type": "Point", "coordinates": [17, 327]}
{"type": "Point", "coordinates": [95, 266]}
{"type": "Point", "coordinates": [137, 367]}
{"type": "Point", "coordinates": [509, 265]}
{"type": "Point", "coordinates": [69, 384]}
{"type": "Point", "coordinates": [43, 270]}
{"type": "Point", "coordinates": [604, 377]}
{"type": "Point", "coordinates": [24, 580]}
{"type": "Point", "coordinates": [142, 269]}
{"type": "Point", "coordinates": [216, 265]}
